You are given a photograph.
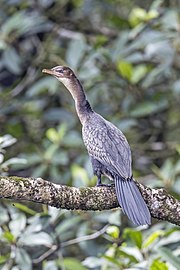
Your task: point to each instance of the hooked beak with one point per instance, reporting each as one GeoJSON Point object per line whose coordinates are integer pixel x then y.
{"type": "Point", "coordinates": [49, 71]}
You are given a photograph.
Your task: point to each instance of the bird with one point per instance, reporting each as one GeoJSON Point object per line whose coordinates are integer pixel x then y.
{"type": "Point", "coordinates": [107, 147]}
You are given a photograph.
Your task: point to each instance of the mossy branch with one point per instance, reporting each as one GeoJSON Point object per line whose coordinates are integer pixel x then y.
{"type": "Point", "coordinates": [162, 206]}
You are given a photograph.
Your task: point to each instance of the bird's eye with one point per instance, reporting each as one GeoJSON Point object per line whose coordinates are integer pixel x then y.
{"type": "Point", "coordinates": [60, 70]}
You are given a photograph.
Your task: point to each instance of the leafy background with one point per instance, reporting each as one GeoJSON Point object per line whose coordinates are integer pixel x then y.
{"type": "Point", "coordinates": [126, 53]}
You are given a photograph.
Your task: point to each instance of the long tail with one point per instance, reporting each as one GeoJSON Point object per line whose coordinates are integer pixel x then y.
{"type": "Point", "coordinates": [131, 201]}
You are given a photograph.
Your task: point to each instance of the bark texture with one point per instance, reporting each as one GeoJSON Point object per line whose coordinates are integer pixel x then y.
{"type": "Point", "coordinates": [162, 206]}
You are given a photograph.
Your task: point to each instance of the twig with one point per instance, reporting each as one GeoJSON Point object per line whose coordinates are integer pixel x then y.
{"type": "Point", "coordinates": [45, 255]}
{"type": "Point", "coordinates": [84, 237]}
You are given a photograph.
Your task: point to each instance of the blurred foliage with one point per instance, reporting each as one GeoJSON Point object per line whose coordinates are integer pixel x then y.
{"type": "Point", "coordinates": [126, 54]}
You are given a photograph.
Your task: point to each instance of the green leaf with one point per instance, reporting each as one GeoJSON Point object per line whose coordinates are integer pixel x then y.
{"type": "Point", "coordinates": [152, 14]}
{"type": "Point", "coordinates": [167, 254]}
{"type": "Point", "coordinates": [112, 260]}
{"type": "Point", "coordinates": [80, 176]}
{"type": "Point", "coordinates": [15, 162]}
{"type": "Point", "coordinates": [135, 236]}
{"type": "Point", "coordinates": [147, 108]}
{"type": "Point", "coordinates": [139, 15]}
{"type": "Point", "coordinates": [53, 135]}
{"type": "Point", "coordinates": [172, 231]}
{"type": "Point", "coordinates": [113, 231]}
{"type": "Point", "coordinates": [32, 159]}
{"type": "Point", "coordinates": [54, 170]}
{"type": "Point", "coordinates": [6, 141]}
{"type": "Point", "coordinates": [100, 41]}
{"type": "Point", "coordinates": [9, 236]}
{"type": "Point", "coordinates": [158, 265]}
{"type": "Point", "coordinates": [23, 259]}
{"type": "Point", "coordinates": [138, 73]}
{"type": "Point", "coordinates": [13, 23]}
{"type": "Point", "coordinates": [67, 224]}
{"type": "Point", "coordinates": [50, 265]}
{"type": "Point", "coordinates": [51, 150]}
{"type": "Point", "coordinates": [176, 87]}
{"type": "Point", "coordinates": [167, 171]}
{"type": "Point", "coordinates": [4, 215]}
{"type": "Point", "coordinates": [89, 70]}
{"type": "Point", "coordinates": [2, 45]}
{"type": "Point", "coordinates": [76, 51]}
{"type": "Point", "coordinates": [59, 115]}
{"type": "Point", "coordinates": [17, 224]}
{"type": "Point", "coordinates": [136, 16]}
{"type": "Point", "coordinates": [114, 218]}
{"type": "Point", "coordinates": [20, 24]}
{"type": "Point", "coordinates": [62, 130]}
{"type": "Point", "coordinates": [1, 158]}
{"type": "Point", "coordinates": [60, 158]}
{"type": "Point", "coordinates": [152, 238]}
{"type": "Point", "coordinates": [36, 223]}
{"type": "Point", "coordinates": [36, 239]}
{"type": "Point", "coordinates": [125, 69]}
{"type": "Point", "coordinates": [25, 209]}
{"type": "Point", "coordinates": [72, 264]}
{"type": "Point", "coordinates": [72, 139]}
{"type": "Point", "coordinates": [40, 170]}
{"type": "Point", "coordinates": [93, 262]}
{"type": "Point", "coordinates": [127, 255]}
{"type": "Point", "coordinates": [4, 258]}
{"type": "Point", "coordinates": [132, 253]}
{"type": "Point", "coordinates": [12, 60]}
{"type": "Point", "coordinates": [42, 85]}
{"type": "Point", "coordinates": [56, 135]}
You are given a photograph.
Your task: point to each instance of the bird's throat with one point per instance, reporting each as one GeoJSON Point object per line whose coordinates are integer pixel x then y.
{"type": "Point", "coordinates": [83, 107]}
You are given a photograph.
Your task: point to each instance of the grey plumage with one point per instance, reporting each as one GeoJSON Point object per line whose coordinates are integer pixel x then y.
{"type": "Point", "coordinates": [108, 148]}
{"type": "Point", "coordinates": [111, 156]}
{"type": "Point", "coordinates": [108, 145]}
{"type": "Point", "coordinates": [131, 201]}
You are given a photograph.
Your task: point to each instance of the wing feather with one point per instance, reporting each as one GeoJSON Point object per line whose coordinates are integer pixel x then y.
{"type": "Point", "coordinates": [108, 144]}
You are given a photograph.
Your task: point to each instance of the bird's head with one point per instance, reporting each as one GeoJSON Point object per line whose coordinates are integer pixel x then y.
{"type": "Point", "coordinates": [62, 73]}
{"type": "Point", "coordinates": [66, 76]}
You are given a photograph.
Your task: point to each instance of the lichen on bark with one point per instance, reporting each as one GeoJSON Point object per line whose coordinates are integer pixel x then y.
{"type": "Point", "coordinates": [162, 205]}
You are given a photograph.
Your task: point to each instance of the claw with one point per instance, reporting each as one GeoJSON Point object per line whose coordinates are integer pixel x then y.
{"type": "Point", "coordinates": [105, 185]}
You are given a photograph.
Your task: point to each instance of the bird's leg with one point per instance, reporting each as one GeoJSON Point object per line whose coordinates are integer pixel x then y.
{"type": "Point", "coordinates": [99, 183]}
{"type": "Point", "coordinates": [97, 169]}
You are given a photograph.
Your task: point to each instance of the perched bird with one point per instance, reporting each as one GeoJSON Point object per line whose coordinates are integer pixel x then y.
{"type": "Point", "coordinates": [108, 148]}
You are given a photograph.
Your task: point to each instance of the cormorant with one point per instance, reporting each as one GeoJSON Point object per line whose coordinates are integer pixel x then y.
{"type": "Point", "coordinates": [108, 148]}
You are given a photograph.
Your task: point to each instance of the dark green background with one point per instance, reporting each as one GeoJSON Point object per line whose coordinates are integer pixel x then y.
{"type": "Point", "coordinates": [126, 54]}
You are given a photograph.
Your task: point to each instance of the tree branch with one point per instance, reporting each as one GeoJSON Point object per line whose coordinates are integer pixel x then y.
{"type": "Point", "coordinates": [162, 206]}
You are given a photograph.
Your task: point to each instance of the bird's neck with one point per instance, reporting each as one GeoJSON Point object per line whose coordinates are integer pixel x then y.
{"type": "Point", "coordinates": [83, 107]}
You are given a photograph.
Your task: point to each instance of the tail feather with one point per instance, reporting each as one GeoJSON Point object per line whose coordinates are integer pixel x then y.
{"type": "Point", "coordinates": [142, 207]}
{"type": "Point", "coordinates": [132, 202]}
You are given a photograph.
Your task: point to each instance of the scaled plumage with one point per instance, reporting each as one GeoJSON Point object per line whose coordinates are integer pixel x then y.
{"type": "Point", "coordinates": [108, 148]}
